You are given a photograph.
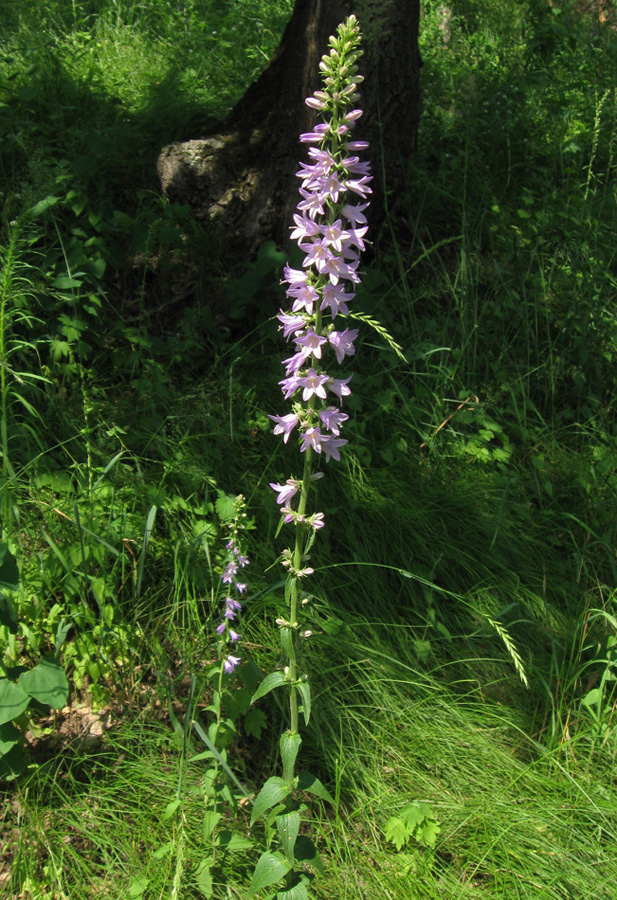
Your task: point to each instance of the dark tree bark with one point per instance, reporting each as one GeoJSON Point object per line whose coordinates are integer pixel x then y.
{"type": "Point", "coordinates": [242, 178]}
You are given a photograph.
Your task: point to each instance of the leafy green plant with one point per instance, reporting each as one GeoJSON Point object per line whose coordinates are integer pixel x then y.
{"type": "Point", "coordinates": [23, 690]}
{"type": "Point", "coordinates": [600, 673]}
{"type": "Point", "coordinates": [222, 694]}
{"type": "Point", "coordinates": [416, 822]}
{"type": "Point", "coordinates": [19, 417]}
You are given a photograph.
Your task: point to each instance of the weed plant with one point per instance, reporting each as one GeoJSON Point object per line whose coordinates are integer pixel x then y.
{"type": "Point", "coordinates": [476, 501]}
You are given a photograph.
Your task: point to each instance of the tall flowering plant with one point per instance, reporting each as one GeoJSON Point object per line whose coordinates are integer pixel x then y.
{"type": "Point", "coordinates": [329, 227]}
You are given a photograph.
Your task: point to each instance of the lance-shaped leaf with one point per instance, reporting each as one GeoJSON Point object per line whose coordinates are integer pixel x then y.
{"type": "Point", "coordinates": [305, 693]}
{"type": "Point", "coordinates": [270, 683]}
{"type": "Point", "coordinates": [305, 851]}
{"type": "Point", "coordinates": [287, 644]}
{"type": "Point", "coordinates": [211, 820]}
{"type": "Point", "coordinates": [273, 791]}
{"type": "Point", "coordinates": [290, 744]}
{"type": "Point", "coordinates": [288, 826]}
{"type": "Point", "coordinates": [270, 868]}
{"type": "Point", "coordinates": [307, 782]}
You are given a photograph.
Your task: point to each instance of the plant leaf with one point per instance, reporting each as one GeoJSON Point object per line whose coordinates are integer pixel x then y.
{"type": "Point", "coordinates": [307, 782]}
{"type": "Point", "coordinates": [270, 868]}
{"type": "Point", "coordinates": [164, 850]}
{"type": "Point", "coordinates": [211, 820]}
{"type": "Point", "coordinates": [396, 832]}
{"type": "Point", "coordinates": [290, 744]}
{"type": "Point", "coordinates": [9, 736]}
{"type": "Point", "coordinates": [9, 573]}
{"type": "Point", "coordinates": [13, 700]}
{"type": "Point", "coordinates": [297, 892]}
{"type": "Point", "coordinates": [8, 617]}
{"type": "Point", "coordinates": [231, 842]}
{"type": "Point", "coordinates": [254, 722]}
{"type": "Point", "coordinates": [305, 851]}
{"type": "Point", "coordinates": [270, 683]}
{"type": "Point", "coordinates": [12, 764]}
{"type": "Point", "coordinates": [138, 886]}
{"type": "Point", "coordinates": [305, 692]}
{"type": "Point", "coordinates": [428, 833]}
{"type": "Point", "coordinates": [273, 791]}
{"type": "Point", "coordinates": [288, 826]}
{"type": "Point", "coordinates": [46, 683]}
{"type": "Point", "coordinates": [203, 878]}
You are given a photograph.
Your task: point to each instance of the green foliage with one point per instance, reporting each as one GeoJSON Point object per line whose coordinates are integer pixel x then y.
{"type": "Point", "coordinates": [42, 687]}
{"type": "Point", "coordinates": [416, 822]}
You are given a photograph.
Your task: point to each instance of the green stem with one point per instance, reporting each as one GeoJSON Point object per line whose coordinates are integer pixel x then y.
{"type": "Point", "coordinates": [295, 593]}
{"type": "Point", "coordinates": [218, 691]}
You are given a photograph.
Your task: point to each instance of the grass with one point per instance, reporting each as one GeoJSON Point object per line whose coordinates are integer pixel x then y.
{"type": "Point", "coordinates": [471, 524]}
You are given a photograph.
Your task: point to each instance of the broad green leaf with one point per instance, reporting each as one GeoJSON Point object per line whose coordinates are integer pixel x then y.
{"type": "Point", "coordinates": [297, 892]}
{"type": "Point", "coordinates": [288, 826]}
{"type": "Point", "coordinates": [13, 700]}
{"type": "Point", "coordinates": [225, 507]}
{"type": "Point", "coordinates": [305, 692]}
{"type": "Point", "coordinates": [138, 886]}
{"type": "Point", "coordinates": [203, 878]}
{"type": "Point", "coordinates": [273, 791]}
{"type": "Point", "coordinates": [270, 683]}
{"type": "Point", "coordinates": [305, 851]}
{"type": "Point", "coordinates": [211, 820]}
{"type": "Point", "coordinates": [226, 840]}
{"type": "Point", "coordinates": [290, 744]}
{"type": "Point", "coordinates": [429, 832]}
{"type": "Point", "coordinates": [307, 782]}
{"type": "Point", "coordinates": [43, 205]}
{"type": "Point", "coordinates": [12, 764]}
{"type": "Point", "coordinates": [396, 832]}
{"type": "Point", "coordinates": [8, 616]}
{"type": "Point", "coordinates": [593, 697]}
{"type": "Point", "coordinates": [64, 283]}
{"type": "Point", "coordinates": [414, 814]}
{"type": "Point", "coordinates": [9, 573]}
{"type": "Point", "coordinates": [97, 267]}
{"type": "Point", "coordinates": [255, 722]}
{"type": "Point", "coordinates": [47, 683]}
{"type": "Point", "coordinates": [9, 736]}
{"type": "Point", "coordinates": [270, 868]}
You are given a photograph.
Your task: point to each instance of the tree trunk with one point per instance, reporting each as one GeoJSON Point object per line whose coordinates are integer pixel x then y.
{"type": "Point", "coordinates": [242, 178]}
